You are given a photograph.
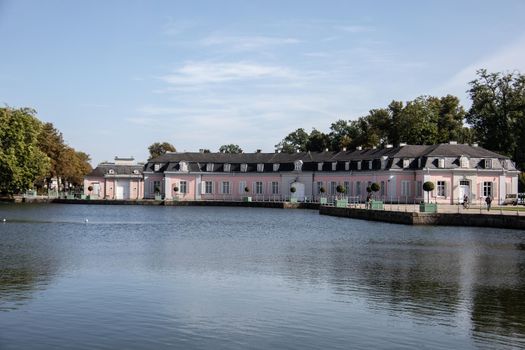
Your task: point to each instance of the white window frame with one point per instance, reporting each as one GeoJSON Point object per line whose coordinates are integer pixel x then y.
{"type": "Point", "coordinates": [209, 167]}
{"type": "Point", "coordinates": [298, 165]}
{"type": "Point", "coordinates": [111, 171]}
{"type": "Point", "coordinates": [405, 188]}
{"type": "Point", "coordinates": [183, 186]}
{"type": "Point", "coordinates": [276, 166]}
{"type": "Point", "coordinates": [242, 186]}
{"type": "Point", "coordinates": [156, 167]}
{"type": "Point", "coordinates": [244, 167]}
{"type": "Point", "coordinates": [358, 165]}
{"type": "Point", "coordinates": [488, 189]}
{"type": "Point", "coordinates": [406, 163]}
{"type": "Point", "coordinates": [334, 166]}
{"type": "Point", "coordinates": [370, 162]}
{"type": "Point", "coordinates": [259, 189]}
{"type": "Point", "coordinates": [358, 188]}
{"type": "Point", "coordinates": [347, 166]}
{"type": "Point", "coordinates": [333, 187]}
{"type": "Point", "coordinates": [382, 189]}
{"type": "Point", "coordinates": [463, 162]}
{"type": "Point", "coordinates": [208, 187]}
{"type": "Point", "coordinates": [320, 166]}
{"type": "Point", "coordinates": [227, 167]}
{"type": "Point", "coordinates": [347, 185]}
{"type": "Point", "coordinates": [318, 187]}
{"type": "Point", "coordinates": [275, 187]}
{"type": "Point", "coordinates": [419, 188]}
{"type": "Point", "coordinates": [441, 188]}
{"type": "Point", "coordinates": [441, 163]}
{"type": "Point", "coordinates": [183, 166]}
{"type": "Point", "coordinates": [226, 188]}
{"type": "Point", "coordinates": [488, 163]}
{"type": "Point", "coordinates": [156, 183]}
{"type": "Point", "coordinates": [260, 167]}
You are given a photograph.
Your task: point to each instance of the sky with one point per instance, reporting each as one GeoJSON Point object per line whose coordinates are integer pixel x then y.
{"type": "Point", "coordinates": [116, 76]}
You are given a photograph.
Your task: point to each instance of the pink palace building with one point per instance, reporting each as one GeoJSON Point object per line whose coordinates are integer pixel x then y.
{"type": "Point", "coordinates": [455, 169]}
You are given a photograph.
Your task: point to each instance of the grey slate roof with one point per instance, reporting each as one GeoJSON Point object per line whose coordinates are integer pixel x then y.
{"type": "Point", "coordinates": [418, 155]}
{"type": "Point", "coordinates": [103, 169]}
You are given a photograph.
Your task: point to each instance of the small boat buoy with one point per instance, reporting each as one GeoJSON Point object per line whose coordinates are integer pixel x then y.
{"type": "Point", "coordinates": [4, 220]}
{"type": "Point", "coordinates": [86, 221]}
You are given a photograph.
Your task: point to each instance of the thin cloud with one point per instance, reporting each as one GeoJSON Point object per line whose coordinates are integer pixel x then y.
{"type": "Point", "coordinates": [354, 28]}
{"type": "Point", "coordinates": [243, 43]}
{"type": "Point", "coordinates": [195, 73]}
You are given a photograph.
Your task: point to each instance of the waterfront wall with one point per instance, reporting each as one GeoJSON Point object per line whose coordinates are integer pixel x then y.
{"type": "Point", "coordinates": [446, 219]}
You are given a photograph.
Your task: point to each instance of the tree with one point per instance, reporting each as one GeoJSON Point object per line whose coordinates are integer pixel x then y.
{"type": "Point", "coordinates": [450, 120]}
{"type": "Point", "coordinates": [51, 142]}
{"type": "Point", "coordinates": [157, 149]}
{"type": "Point", "coordinates": [317, 141]}
{"type": "Point", "coordinates": [497, 113]}
{"type": "Point", "coordinates": [343, 134]}
{"type": "Point", "coordinates": [231, 148]}
{"type": "Point", "coordinates": [428, 187]}
{"type": "Point", "coordinates": [21, 160]}
{"type": "Point", "coordinates": [295, 141]}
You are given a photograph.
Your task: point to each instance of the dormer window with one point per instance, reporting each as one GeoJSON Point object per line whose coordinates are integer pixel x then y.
{"type": "Point", "coordinates": [347, 166]}
{"type": "Point", "coordinates": [463, 162]}
{"type": "Point", "coordinates": [334, 166]}
{"type": "Point", "coordinates": [298, 165]}
{"type": "Point", "coordinates": [419, 162]}
{"type": "Point", "coordinates": [370, 163]}
{"type": "Point", "coordinates": [111, 171]}
{"type": "Point", "coordinates": [320, 166]}
{"type": "Point", "coordinates": [136, 172]}
{"type": "Point", "coordinates": [183, 166]}
{"type": "Point", "coordinates": [276, 167]}
{"type": "Point", "coordinates": [156, 167]}
{"type": "Point", "coordinates": [406, 163]}
{"type": "Point", "coordinates": [244, 167]}
{"type": "Point", "coordinates": [488, 163]}
{"type": "Point", "coordinates": [359, 165]}
{"type": "Point", "coordinates": [227, 167]}
{"type": "Point", "coordinates": [260, 168]}
{"type": "Point", "coordinates": [441, 163]}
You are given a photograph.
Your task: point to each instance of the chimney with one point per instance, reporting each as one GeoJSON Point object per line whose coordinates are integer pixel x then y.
{"type": "Point", "coordinates": [298, 151]}
{"type": "Point", "coordinates": [344, 149]}
{"type": "Point", "coordinates": [258, 151]}
{"type": "Point", "coordinates": [201, 150]}
{"type": "Point", "coordinates": [359, 148]}
{"type": "Point", "coordinates": [452, 142]}
{"type": "Point", "coordinates": [401, 144]}
{"type": "Point", "coordinates": [374, 147]}
{"type": "Point", "coordinates": [326, 149]}
{"type": "Point", "coordinates": [389, 146]}
{"type": "Point", "coordinates": [475, 144]}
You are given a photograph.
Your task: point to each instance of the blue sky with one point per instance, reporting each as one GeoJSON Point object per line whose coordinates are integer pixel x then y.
{"type": "Point", "coordinates": [116, 76]}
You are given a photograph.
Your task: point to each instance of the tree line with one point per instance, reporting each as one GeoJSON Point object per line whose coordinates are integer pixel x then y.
{"type": "Point", "coordinates": [495, 120]}
{"type": "Point", "coordinates": [33, 154]}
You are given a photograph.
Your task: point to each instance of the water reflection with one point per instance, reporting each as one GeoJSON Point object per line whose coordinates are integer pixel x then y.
{"type": "Point", "coordinates": [274, 274]}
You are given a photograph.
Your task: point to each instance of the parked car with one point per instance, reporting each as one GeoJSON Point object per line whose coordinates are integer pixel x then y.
{"type": "Point", "coordinates": [511, 199]}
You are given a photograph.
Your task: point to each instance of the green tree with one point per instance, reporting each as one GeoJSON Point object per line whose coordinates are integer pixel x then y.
{"type": "Point", "coordinates": [497, 113]}
{"type": "Point", "coordinates": [418, 121]}
{"type": "Point", "coordinates": [295, 141]}
{"type": "Point", "coordinates": [231, 148]}
{"type": "Point", "coordinates": [317, 141]}
{"type": "Point", "coordinates": [157, 149]}
{"type": "Point", "coordinates": [21, 160]}
{"type": "Point", "coordinates": [450, 120]}
{"type": "Point", "coordinates": [343, 134]}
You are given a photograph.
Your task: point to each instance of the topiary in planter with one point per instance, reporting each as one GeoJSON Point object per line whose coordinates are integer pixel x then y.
{"type": "Point", "coordinates": [293, 189]}
{"type": "Point", "coordinates": [340, 189]}
{"type": "Point", "coordinates": [368, 189]}
{"type": "Point", "coordinates": [90, 188]}
{"type": "Point", "coordinates": [175, 189]}
{"type": "Point", "coordinates": [375, 187]}
{"type": "Point", "coordinates": [428, 187]}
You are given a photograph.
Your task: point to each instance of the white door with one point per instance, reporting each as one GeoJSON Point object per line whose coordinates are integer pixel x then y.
{"type": "Point", "coordinates": [464, 189]}
{"type": "Point", "coordinates": [122, 189]}
{"type": "Point", "coordinates": [96, 190]}
{"type": "Point", "coordinates": [299, 191]}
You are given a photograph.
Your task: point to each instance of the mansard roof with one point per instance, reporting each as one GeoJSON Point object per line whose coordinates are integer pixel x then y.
{"type": "Point", "coordinates": [103, 169]}
{"type": "Point", "coordinates": [197, 161]}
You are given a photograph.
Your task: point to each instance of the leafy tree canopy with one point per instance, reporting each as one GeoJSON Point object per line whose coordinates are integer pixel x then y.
{"type": "Point", "coordinates": [159, 148]}
{"type": "Point", "coordinates": [231, 148]}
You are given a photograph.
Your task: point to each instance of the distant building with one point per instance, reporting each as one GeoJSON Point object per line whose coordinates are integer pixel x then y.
{"type": "Point", "coordinates": [455, 169]}
{"type": "Point", "coordinates": [121, 179]}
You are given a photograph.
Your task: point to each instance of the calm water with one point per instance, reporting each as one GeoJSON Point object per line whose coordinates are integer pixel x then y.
{"type": "Point", "coordinates": [138, 277]}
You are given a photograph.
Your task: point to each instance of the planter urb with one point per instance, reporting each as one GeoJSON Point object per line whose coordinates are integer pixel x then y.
{"type": "Point", "coordinates": [323, 200]}
{"type": "Point", "coordinates": [341, 203]}
{"type": "Point", "coordinates": [428, 208]}
{"type": "Point", "coordinates": [158, 197]}
{"type": "Point", "coordinates": [376, 205]}
{"type": "Point", "coordinates": [293, 200]}
{"type": "Point", "coordinates": [247, 199]}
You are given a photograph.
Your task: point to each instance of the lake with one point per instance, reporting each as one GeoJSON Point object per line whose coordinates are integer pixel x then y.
{"type": "Point", "coordinates": [153, 277]}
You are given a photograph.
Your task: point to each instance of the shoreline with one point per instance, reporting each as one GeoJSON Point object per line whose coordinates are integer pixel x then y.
{"type": "Point", "coordinates": [472, 219]}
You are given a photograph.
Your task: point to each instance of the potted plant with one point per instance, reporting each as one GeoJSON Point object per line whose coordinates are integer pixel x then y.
{"type": "Point", "coordinates": [247, 198]}
{"type": "Point", "coordinates": [175, 190]}
{"type": "Point", "coordinates": [293, 199]}
{"type": "Point", "coordinates": [341, 202]}
{"type": "Point", "coordinates": [375, 204]}
{"type": "Point", "coordinates": [323, 199]}
{"type": "Point", "coordinates": [158, 196]}
{"type": "Point", "coordinates": [90, 188]}
{"type": "Point", "coordinates": [428, 207]}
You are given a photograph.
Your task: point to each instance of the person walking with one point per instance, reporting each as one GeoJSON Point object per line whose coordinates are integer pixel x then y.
{"type": "Point", "coordinates": [488, 200]}
{"type": "Point", "coordinates": [465, 202]}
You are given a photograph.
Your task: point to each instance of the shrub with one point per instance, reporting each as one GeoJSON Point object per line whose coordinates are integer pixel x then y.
{"type": "Point", "coordinates": [322, 190]}
{"type": "Point", "coordinates": [90, 188]}
{"type": "Point", "coordinates": [368, 189]}
{"type": "Point", "coordinates": [293, 189]}
{"type": "Point", "coordinates": [427, 187]}
{"type": "Point", "coordinates": [340, 189]}
{"type": "Point", "coordinates": [375, 187]}
{"type": "Point", "coordinates": [246, 189]}
{"type": "Point", "coordinates": [175, 189]}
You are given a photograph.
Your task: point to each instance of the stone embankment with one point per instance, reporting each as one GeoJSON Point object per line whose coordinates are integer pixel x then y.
{"type": "Point", "coordinates": [414, 218]}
